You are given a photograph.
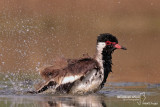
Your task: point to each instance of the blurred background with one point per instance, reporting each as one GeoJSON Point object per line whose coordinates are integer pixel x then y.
{"type": "Point", "coordinates": [34, 32]}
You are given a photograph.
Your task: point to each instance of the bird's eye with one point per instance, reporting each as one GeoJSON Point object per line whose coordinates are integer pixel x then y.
{"type": "Point", "coordinates": [108, 43]}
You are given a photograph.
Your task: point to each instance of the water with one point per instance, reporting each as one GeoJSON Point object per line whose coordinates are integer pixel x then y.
{"type": "Point", "coordinates": [14, 87]}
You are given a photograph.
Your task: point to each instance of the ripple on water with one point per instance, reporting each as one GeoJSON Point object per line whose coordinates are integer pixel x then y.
{"type": "Point", "coordinates": [13, 92]}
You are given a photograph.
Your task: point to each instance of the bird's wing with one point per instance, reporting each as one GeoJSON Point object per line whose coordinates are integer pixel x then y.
{"type": "Point", "coordinates": [77, 70]}
{"type": "Point", "coordinates": [74, 71]}
{"type": "Point", "coordinates": [49, 72]}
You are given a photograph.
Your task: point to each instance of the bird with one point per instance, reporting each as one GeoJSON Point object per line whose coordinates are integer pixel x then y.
{"type": "Point", "coordinates": [83, 75]}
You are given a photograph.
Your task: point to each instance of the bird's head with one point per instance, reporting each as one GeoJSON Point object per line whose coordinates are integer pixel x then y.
{"type": "Point", "coordinates": [108, 43]}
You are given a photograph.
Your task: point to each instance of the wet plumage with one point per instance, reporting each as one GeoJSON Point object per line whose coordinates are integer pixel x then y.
{"type": "Point", "coordinates": [83, 75]}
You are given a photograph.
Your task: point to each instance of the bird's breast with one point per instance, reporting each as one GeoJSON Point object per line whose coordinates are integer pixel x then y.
{"type": "Point", "coordinates": [90, 82]}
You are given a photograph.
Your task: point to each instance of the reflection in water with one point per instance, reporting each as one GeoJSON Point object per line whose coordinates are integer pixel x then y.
{"type": "Point", "coordinates": [78, 101]}
{"type": "Point", "coordinates": [54, 101]}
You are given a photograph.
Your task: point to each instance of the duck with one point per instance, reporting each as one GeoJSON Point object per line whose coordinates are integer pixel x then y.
{"type": "Point", "coordinates": [83, 75]}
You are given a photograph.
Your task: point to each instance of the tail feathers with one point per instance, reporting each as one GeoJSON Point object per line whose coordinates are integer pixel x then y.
{"type": "Point", "coordinates": [45, 86]}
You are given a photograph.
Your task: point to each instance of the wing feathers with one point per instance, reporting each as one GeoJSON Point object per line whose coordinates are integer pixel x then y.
{"type": "Point", "coordinates": [70, 79]}
{"type": "Point", "coordinates": [71, 73]}
{"type": "Point", "coordinates": [49, 72]}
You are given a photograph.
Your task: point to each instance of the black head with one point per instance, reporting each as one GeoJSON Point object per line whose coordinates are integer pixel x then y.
{"type": "Point", "coordinates": [106, 37]}
{"type": "Point", "coordinates": [111, 42]}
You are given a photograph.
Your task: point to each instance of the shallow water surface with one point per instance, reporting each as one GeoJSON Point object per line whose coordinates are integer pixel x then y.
{"type": "Point", "coordinates": [13, 94]}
